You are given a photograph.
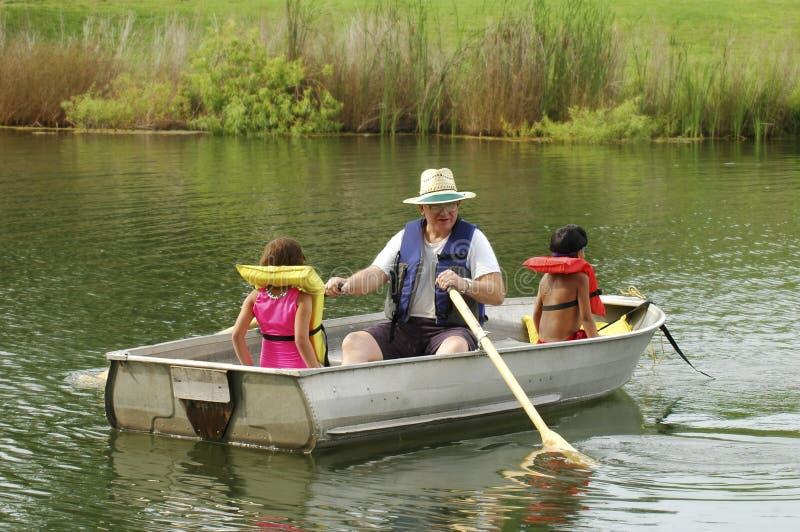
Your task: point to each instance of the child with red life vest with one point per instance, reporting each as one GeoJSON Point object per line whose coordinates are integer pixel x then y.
{"type": "Point", "coordinates": [568, 294]}
{"type": "Point", "coordinates": [282, 312]}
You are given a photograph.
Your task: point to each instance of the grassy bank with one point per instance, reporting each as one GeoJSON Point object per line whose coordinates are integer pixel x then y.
{"type": "Point", "coordinates": [566, 70]}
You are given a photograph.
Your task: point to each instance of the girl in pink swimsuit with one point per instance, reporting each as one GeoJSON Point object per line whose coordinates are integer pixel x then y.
{"type": "Point", "coordinates": [283, 314]}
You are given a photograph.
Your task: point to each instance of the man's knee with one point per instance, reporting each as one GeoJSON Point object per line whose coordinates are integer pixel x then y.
{"type": "Point", "coordinates": [360, 346]}
{"type": "Point", "coordinates": [453, 344]}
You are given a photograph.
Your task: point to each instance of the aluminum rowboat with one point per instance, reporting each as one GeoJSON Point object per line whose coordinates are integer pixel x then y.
{"type": "Point", "coordinates": [196, 388]}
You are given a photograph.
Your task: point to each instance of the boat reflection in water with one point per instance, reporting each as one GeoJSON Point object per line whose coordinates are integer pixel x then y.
{"type": "Point", "coordinates": [474, 481]}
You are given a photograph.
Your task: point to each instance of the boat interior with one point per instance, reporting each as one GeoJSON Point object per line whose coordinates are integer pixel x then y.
{"type": "Point", "coordinates": [504, 326]}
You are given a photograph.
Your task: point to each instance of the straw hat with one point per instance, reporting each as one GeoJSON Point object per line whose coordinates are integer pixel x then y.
{"type": "Point", "coordinates": [438, 186]}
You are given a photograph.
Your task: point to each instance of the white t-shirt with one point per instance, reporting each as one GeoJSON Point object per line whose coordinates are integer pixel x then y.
{"type": "Point", "coordinates": [480, 261]}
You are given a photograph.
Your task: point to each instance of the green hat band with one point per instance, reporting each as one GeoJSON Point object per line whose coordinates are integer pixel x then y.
{"type": "Point", "coordinates": [442, 198]}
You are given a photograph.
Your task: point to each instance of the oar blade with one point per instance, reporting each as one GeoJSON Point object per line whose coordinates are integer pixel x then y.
{"type": "Point", "coordinates": [553, 443]}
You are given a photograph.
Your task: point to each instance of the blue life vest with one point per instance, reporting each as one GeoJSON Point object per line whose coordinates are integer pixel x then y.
{"type": "Point", "coordinates": [404, 276]}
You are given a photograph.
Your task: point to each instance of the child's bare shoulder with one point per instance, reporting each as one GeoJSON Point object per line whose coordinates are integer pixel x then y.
{"type": "Point", "coordinates": [577, 278]}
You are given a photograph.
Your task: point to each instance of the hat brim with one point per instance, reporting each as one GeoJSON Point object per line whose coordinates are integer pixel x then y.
{"type": "Point", "coordinates": [439, 197]}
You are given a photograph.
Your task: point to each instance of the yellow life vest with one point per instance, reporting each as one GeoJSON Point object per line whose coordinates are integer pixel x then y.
{"type": "Point", "coordinates": [306, 279]}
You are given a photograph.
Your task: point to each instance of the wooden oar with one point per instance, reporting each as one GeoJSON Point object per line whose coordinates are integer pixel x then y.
{"type": "Point", "coordinates": [551, 442]}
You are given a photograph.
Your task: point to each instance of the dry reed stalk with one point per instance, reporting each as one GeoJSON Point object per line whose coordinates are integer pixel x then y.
{"type": "Point", "coordinates": [36, 77]}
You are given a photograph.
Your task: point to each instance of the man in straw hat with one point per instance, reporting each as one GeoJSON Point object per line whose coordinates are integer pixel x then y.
{"type": "Point", "coordinates": [420, 263]}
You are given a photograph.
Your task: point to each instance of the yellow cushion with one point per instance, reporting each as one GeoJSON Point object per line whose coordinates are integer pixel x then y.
{"type": "Point", "coordinates": [621, 326]}
{"type": "Point", "coordinates": [533, 336]}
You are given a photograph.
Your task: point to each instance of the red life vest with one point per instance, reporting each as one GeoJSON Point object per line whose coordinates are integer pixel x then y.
{"type": "Point", "coordinates": [570, 265]}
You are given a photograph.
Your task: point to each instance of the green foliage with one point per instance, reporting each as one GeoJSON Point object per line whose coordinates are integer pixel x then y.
{"type": "Point", "coordinates": [793, 115]}
{"type": "Point", "coordinates": [622, 123]}
{"type": "Point", "coordinates": [235, 88]}
{"type": "Point", "coordinates": [127, 104]}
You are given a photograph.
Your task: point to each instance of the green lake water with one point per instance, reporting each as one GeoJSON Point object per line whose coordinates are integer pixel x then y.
{"type": "Point", "coordinates": [108, 242]}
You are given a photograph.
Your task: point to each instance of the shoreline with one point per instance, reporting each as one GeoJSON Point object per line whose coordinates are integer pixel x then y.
{"type": "Point", "coordinates": [41, 130]}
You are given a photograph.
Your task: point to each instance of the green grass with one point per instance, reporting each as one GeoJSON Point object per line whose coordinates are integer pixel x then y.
{"type": "Point", "coordinates": [703, 25]}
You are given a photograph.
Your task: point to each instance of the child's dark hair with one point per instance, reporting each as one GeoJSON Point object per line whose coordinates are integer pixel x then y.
{"type": "Point", "coordinates": [283, 252]}
{"type": "Point", "coordinates": [568, 240]}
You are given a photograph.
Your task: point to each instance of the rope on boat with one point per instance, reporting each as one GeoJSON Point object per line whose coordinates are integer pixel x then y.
{"type": "Point", "coordinates": [632, 291]}
{"type": "Point", "coordinates": [635, 292]}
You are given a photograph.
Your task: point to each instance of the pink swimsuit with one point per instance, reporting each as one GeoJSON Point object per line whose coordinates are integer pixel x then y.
{"type": "Point", "coordinates": [276, 317]}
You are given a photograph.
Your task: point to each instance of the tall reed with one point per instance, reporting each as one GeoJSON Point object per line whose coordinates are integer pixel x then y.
{"type": "Point", "coordinates": [36, 77]}
{"type": "Point", "coordinates": [734, 95]}
{"type": "Point", "coordinates": [300, 19]}
{"type": "Point", "coordinates": [385, 71]}
{"type": "Point", "coordinates": [167, 53]}
{"type": "Point", "coordinates": [535, 62]}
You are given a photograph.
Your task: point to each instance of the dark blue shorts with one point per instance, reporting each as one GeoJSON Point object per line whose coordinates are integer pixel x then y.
{"type": "Point", "coordinates": [417, 337]}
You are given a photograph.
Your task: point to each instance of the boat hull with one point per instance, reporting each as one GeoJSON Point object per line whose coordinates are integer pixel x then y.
{"type": "Point", "coordinates": [195, 387]}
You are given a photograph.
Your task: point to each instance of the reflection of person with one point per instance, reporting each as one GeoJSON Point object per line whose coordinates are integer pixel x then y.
{"type": "Point", "coordinates": [282, 313]}
{"type": "Point", "coordinates": [421, 262]}
{"type": "Point", "coordinates": [568, 293]}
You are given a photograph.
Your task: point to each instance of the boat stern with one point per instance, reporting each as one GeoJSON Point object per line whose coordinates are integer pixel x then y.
{"type": "Point", "coordinates": [214, 402]}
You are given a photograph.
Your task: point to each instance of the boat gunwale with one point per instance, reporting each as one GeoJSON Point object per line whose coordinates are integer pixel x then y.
{"type": "Point", "coordinates": [124, 355]}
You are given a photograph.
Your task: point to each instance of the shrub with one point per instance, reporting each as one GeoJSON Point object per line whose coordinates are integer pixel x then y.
{"type": "Point", "coordinates": [621, 123]}
{"type": "Point", "coordinates": [235, 88]}
{"type": "Point", "coordinates": [126, 104]}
